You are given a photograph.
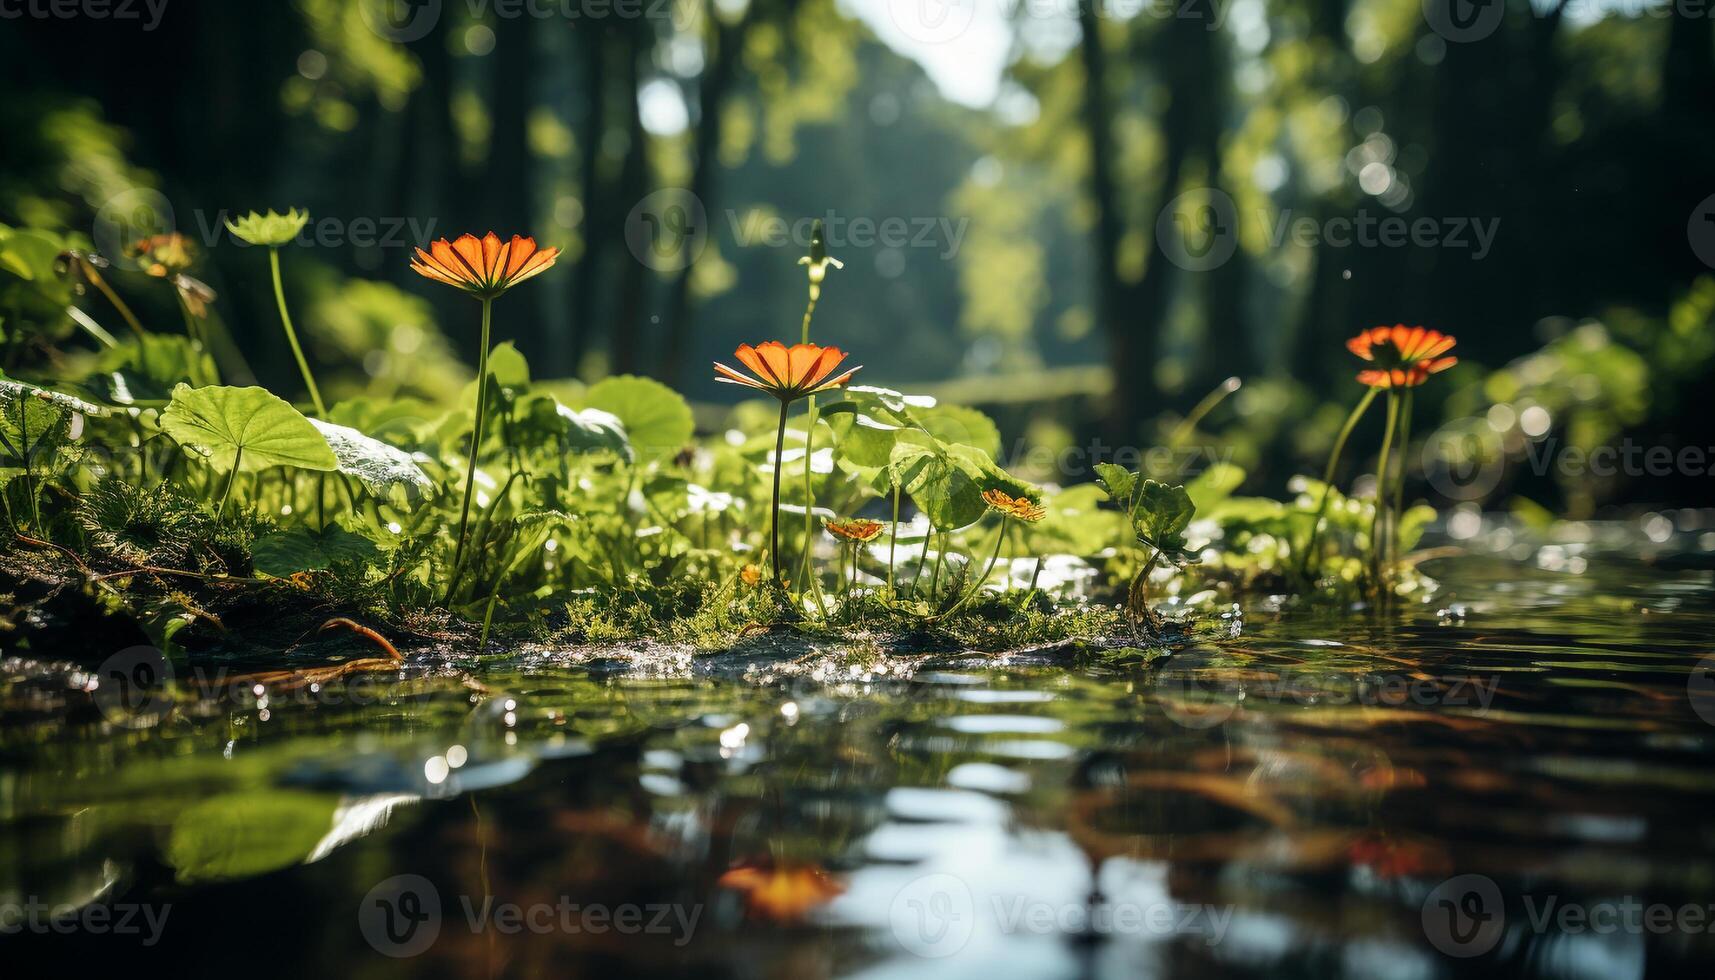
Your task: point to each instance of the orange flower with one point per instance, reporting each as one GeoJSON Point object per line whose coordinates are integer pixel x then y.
{"type": "Point", "coordinates": [1406, 356]}
{"type": "Point", "coordinates": [751, 575]}
{"type": "Point", "coordinates": [854, 530]}
{"type": "Point", "coordinates": [787, 373]}
{"type": "Point", "coordinates": [1015, 507]}
{"type": "Point", "coordinates": [781, 892]}
{"type": "Point", "coordinates": [163, 256]}
{"type": "Point", "coordinates": [484, 267]}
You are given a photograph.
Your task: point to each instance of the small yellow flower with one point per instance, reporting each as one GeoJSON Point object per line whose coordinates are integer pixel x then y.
{"type": "Point", "coordinates": [854, 530]}
{"type": "Point", "coordinates": [1019, 508]}
{"type": "Point", "coordinates": [750, 575]}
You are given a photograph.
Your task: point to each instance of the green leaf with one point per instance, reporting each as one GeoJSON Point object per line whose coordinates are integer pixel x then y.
{"type": "Point", "coordinates": [1076, 524]}
{"type": "Point", "coordinates": [17, 391]}
{"type": "Point", "coordinates": [896, 402]}
{"type": "Point", "coordinates": [1119, 482]}
{"type": "Point", "coordinates": [382, 469]}
{"type": "Point", "coordinates": [508, 367]}
{"type": "Point", "coordinates": [961, 425]}
{"type": "Point", "coordinates": [1160, 515]}
{"type": "Point", "coordinates": [863, 439]}
{"type": "Point", "coordinates": [1412, 524]}
{"type": "Point", "coordinates": [982, 468]}
{"type": "Point", "coordinates": [247, 425]}
{"type": "Point", "coordinates": [1214, 485]}
{"type": "Point", "coordinates": [656, 418]}
{"type": "Point", "coordinates": [300, 549]}
{"type": "Point", "coordinates": [942, 489]}
{"type": "Point", "coordinates": [146, 368]}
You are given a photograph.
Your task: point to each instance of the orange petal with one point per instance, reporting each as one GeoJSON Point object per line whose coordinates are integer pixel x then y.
{"type": "Point", "coordinates": [1436, 345]}
{"type": "Point", "coordinates": [733, 377]}
{"type": "Point", "coordinates": [491, 249]}
{"type": "Point", "coordinates": [518, 252]}
{"type": "Point", "coordinates": [465, 256]}
{"type": "Point", "coordinates": [842, 379]}
{"type": "Point", "coordinates": [799, 360]}
{"type": "Point", "coordinates": [748, 356]}
{"type": "Point", "coordinates": [778, 360]}
{"type": "Point", "coordinates": [433, 272]}
{"type": "Point", "coordinates": [536, 265]}
{"type": "Point", "coordinates": [824, 365]}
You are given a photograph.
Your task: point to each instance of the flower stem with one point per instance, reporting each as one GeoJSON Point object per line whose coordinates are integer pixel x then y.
{"type": "Point", "coordinates": [940, 556]}
{"type": "Point", "coordinates": [922, 559]}
{"type": "Point", "coordinates": [1399, 480]}
{"type": "Point", "coordinates": [1137, 597]}
{"type": "Point", "coordinates": [1328, 480]}
{"type": "Point", "coordinates": [805, 571]}
{"type": "Point", "coordinates": [999, 539]}
{"type": "Point", "coordinates": [292, 335]}
{"type": "Point", "coordinates": [774, 519]}
{"type": "Point", "coordinates": [1203, 408]}
{"type": "Point", "coordinates": [193, 326]}
{"type": "Point", "coordinates": [893, 545]}
{"type": "Point", "coordinates": [231, 478]}
{"type": "Point", "coordinates": [1378, 524]}
{"type": "Point", "coordinates": [475, 443]}
{"type": "Point", "coordinates": [125, 313]}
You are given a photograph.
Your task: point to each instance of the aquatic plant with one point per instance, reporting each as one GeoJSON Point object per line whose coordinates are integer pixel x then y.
{"type": "Point", "coordinates": [1159, 515]}
{"type": "Point", "coordinates": [273, 231]}
{"type": "Point", "coordinates": [788, 374]}
{"type": "Point", "coordinates": [485, 268]}
{"type": "Point", "coordinates": [1405, 358]}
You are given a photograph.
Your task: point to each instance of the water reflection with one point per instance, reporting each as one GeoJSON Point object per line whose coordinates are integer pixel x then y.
{"type": "Point", "coordinates": [1317, 797]}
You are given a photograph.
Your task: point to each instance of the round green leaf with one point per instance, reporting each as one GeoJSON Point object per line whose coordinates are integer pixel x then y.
{"type": "Point", "coordinates": [657, 419]}
{"type": "Point", "coordinates": [956, 424]}
{"type": "Point", "coordinates": [248, 425]}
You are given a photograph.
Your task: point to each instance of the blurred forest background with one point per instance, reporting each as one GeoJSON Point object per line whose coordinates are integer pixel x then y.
{"type": "Point", "coordinates": [1041, 157]}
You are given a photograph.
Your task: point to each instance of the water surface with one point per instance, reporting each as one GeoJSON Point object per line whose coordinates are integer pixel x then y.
{"type": "Point", "coordinates": [1484, 782]}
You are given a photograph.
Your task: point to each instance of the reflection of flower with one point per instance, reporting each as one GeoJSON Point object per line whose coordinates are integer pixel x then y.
{"type": "Point", "coordinates": [1019, 508]}
{"type": "Point", "coordinates": [1406, 356]}
{"type": "Point", "coordinates": [782, 892]}
{"type": "Point", "coordinates": [1389, 858]}
{"type": "Point", "coordinates": [787, 373]}
{"type": "Point", "coordinates": [484, 267]}
{"type": "Point", "coordinates": [163, 256]}
{"type": "Point", "coordinates": [854, 530]}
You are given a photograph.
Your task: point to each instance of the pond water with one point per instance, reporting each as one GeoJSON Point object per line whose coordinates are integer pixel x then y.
{"type": "Point", "coordinates": [1512, 778]}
